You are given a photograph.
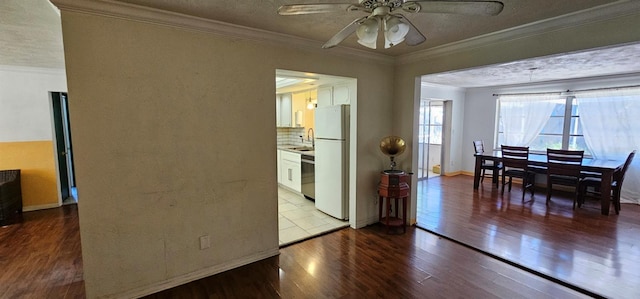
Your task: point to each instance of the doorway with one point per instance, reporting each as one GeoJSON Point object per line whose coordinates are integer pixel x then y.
{"type": "Point", "coordinates": [64, 148]}
{"type": "Point", "coordinates": [430, 138]}
{"type": "Point", "coordinates": [297, 99]}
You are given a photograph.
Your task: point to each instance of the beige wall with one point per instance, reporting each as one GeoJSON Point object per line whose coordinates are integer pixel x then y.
{"type": "Point", "coordinates": [165, 131]}
{"type": "Point", "coordinates": [165, 124]}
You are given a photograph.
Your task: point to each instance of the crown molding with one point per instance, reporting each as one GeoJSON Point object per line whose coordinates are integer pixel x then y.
{"type": "Point", "coordinates": [29, 69]}
{"type": "Point", "coordinates": [601, 13]}
{"type": "Point", "coordinates": [126, 11]}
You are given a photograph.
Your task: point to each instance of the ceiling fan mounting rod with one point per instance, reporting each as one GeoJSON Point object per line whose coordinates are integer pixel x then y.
{"type": "Point", "coordinates": [381, 11]}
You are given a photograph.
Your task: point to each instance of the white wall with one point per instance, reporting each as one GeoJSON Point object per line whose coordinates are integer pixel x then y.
{"type": "Point", "coordinates": [481, 107]}
{"type": "Point", "coordinates": [454, 105]}
{"type": "Point", "coordinates": [25, 113]}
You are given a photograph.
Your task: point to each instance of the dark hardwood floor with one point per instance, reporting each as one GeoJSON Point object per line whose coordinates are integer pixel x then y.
{"type": "Point", "coordinates": [581, 247]}
{"type": "Point", "coordinates": [40, 257]}
{"type": "Point", "coordinates": [368, 263]}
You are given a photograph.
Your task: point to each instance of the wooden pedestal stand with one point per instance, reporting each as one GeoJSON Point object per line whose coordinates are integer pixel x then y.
{"type": "Point", "coordinates": [393, 185]}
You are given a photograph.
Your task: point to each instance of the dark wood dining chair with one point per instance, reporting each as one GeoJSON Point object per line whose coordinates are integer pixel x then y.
{"type": "Point", "coordinates": [563, 168]}
{"type": "Point", "coordinates": [478, 146]}
{"type": "Point", "coordinates": [616, 185]}
{"type": "Point", "coordinates": [515, 163]}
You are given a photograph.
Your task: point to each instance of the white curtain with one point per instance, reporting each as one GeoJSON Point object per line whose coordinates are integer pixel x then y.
{"type": "Point", "coordinates": [524, 116]}
{"type": "Point", "coordinates": [610, 121]}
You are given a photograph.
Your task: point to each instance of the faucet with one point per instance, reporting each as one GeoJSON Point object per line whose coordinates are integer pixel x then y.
{"type": "Point", "coordinates": [311, 136]}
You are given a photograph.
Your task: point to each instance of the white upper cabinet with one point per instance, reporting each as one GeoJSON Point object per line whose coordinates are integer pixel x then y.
{"type": "Point", "coordinates": [283, 110]}
{"type": "Point", "coordinates": [336, 94]}
{"type": "Point", "coordinates": [325, 96]}
{"type": "Point", "coordinates": [341, 94]}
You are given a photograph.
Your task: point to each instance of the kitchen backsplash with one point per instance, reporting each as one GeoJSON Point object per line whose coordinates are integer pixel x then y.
{"type": "Point", "coordinates": [288, 136]}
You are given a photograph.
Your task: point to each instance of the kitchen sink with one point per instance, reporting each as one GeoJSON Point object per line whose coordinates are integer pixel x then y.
{"type": "Point", "coordinates": [303, 149]}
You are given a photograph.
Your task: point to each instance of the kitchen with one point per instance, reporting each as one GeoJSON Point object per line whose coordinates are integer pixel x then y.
{"type": "Point", "coordinates": [312, 123]}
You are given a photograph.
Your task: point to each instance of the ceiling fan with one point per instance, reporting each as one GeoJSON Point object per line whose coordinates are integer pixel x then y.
{"type": "Point", "coordinates": [397, 28]}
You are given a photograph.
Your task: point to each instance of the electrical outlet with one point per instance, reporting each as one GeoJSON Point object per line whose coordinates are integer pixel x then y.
{"type": "Point", "coordinates": [205, 242]}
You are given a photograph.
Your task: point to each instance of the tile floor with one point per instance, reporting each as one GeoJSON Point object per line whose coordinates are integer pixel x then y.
{"type": "Point", "coordinates": [298, 218]}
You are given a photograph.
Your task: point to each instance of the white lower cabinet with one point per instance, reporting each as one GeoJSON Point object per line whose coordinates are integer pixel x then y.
{"type": "Point", "coordinates": [290, 171]}
{"type": "Point", "coordinates": [279, 162]}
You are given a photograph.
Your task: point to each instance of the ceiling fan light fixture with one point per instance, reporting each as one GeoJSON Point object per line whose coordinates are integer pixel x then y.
{"type": "Point", "coordinates": [394, 31]}
{"type": "Point", "coordinates": [367, 32]}
{"type": "Point", "coordinates": [396, 27]}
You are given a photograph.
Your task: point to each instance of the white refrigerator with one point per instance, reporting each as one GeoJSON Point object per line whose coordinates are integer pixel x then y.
{"type": "Point", "coordinates": [332, 160]}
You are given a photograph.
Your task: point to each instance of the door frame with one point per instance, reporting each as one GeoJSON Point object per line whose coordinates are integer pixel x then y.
{"type": "Point", "coordinates": [63, 146]}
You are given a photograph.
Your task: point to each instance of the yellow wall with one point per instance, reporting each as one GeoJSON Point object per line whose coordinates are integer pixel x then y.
{"type": "Point", "coordinates": [299, 102]}
{"type": "Point", "coordinates": [38, 171]}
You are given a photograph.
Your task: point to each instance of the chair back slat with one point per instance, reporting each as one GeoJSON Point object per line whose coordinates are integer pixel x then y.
{"type": "Point", "coordinates": [618, 175]}
{"type": "Point", "coordinates": [515, 156]}
{"type": "Point", "coordinates": [478, 146]}
{"type": "Point", "coordinates": [564, 162]}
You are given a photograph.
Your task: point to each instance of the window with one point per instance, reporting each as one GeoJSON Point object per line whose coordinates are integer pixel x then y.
{"type": "Point", "coordinates": [430, 137]}
{"type": "Point", "coordinates": [602, 122]}
{"type": "Point", "coordinates": [561, 130]}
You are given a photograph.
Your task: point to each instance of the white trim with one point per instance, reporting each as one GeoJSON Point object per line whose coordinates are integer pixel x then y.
{"type": "Point", "coordinates": [54, 142]}
{"type": "Point", "coordinates": [26, 69]}
{"type": "Point", "coordinates": [41, 207]}
{"type": "Point", "coordinates": [618, 9]}
{"type": "Point", "coordinates": [365, 222]}
{"type": "Point", "coordinates": [116, 9]}
{"type": "Point", "coordinates": [192, 276]}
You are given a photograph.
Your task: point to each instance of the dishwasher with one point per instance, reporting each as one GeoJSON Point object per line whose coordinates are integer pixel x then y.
{"type": "Point", "coordinates": [308, 180]}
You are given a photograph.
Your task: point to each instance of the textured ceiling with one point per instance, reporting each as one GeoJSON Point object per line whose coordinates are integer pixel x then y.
{"type": "Point", "coordinates": [592, 63]}
{"type": "Point", "coordinates": [438, 28]}
{"type": "Point", "coordinates": [30, 35]}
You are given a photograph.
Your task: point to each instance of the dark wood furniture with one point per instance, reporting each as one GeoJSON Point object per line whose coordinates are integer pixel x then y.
{"type": "Point", "coordinates": [516, 164]}
{"type": "Point", "coordinates": [616, 184]}
{"type": "Point", "coordinates": [601, 166]}
{"type": "Point", "coordinates": [494, 167]}
{"type": "Point", "coordinates": [393, 186]}
{"type": "Point", "coordinates": [10, 196]}
{"type": "Point", "coordinates": [563, 168]}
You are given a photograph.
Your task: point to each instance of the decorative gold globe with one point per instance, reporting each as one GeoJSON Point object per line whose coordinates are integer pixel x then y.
{"type": "Point", "coordinates": [392, 146]}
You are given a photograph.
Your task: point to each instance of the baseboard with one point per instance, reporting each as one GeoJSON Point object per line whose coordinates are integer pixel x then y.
{"type": "Point", "coordinates": [453, 173]}
{"type": "Point", "coordinates": [366, 222]}
{"type": "Point", "coordinates": [40, 207]}
{"type": "Point", "coordinates": [189, 277]}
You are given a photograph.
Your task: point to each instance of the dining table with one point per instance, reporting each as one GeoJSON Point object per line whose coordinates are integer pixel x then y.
{"type": "Point", "coordinates": [603, 168]}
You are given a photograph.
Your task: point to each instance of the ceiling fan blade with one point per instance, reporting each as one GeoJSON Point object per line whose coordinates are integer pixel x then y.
{"type": "Point", "coordinates": [344, 33]}
{"type": "Point", "coordinates": [478, 8]}
{"type": "Point", "coordinates": [414, 36]}
{"type": "Point", "coordinates": [305, 9]}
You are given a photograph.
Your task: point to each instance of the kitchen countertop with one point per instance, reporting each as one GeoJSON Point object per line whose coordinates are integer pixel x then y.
{"type": "Point", "coordinates": [291, 148]}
